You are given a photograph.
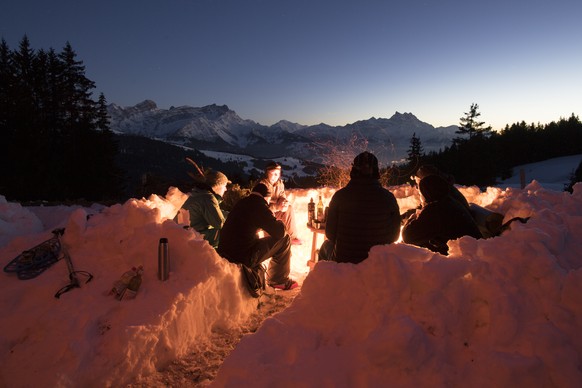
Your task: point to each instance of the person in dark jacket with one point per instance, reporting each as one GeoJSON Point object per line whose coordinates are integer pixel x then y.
{"type": "Point", "coordinates": [240, 243]}
{"type": "Point", "coordinates": [203, 206]}
{"type": "Point", "coordinates": [360, 215]}
{"type": "Point", "coordinates": [426, 170]}
{"type": "Point", "coordinates": [442, 218]}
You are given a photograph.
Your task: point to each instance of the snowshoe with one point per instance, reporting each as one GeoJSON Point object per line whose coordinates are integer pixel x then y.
{"type": "Point", "coordinates": [32, 262]}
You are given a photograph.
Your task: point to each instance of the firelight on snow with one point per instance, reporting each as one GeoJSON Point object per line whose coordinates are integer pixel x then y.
{"type": "Point", "coordinates": [496, 312]}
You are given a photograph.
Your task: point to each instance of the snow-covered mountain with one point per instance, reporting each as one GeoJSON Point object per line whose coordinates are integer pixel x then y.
{"type": "Point", "coordinates": [219, 128]}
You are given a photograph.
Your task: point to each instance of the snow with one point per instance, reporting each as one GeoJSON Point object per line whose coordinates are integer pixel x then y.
{"type": "Point", "coordinates": [498, 312]}
{"type": "Point", "coordinates": [555, 173]}
{"type": "Point", "coordinates": [292, 166]}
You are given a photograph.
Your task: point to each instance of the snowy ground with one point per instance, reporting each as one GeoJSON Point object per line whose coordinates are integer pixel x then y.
{"type": "Point", "coordinates": [498, 312]}
{"type": "Point", "coordinates": [554, 173]}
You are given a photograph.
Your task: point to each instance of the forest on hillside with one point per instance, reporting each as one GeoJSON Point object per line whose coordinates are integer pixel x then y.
{"type": "Point", "coordinates": [482, 157]}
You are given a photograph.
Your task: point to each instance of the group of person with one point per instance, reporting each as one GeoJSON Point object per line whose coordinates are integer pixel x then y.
{"type": "Point", "coordinates": [364, 214]}
{"type": "Point", "coordinates": [236, 235]}
{"type": "Point", "coordinates": [361, 215]}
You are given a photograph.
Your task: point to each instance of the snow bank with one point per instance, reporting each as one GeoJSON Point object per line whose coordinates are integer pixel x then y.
{"type": "Point", "coordinates": [88, 338]}
{"type": "Point", "coordinates": [497, 312]}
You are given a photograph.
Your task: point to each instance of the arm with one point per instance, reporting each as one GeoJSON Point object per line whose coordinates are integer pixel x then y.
{"type": "Point", "coordinates": [332, 220]}
{"type": "Point", "coordinates": [395, 220]}
{"type": "Point", "coordinates": [213, 213]}
{"type": "Point", "coordinates": [278, 198]}
{"type": "Point", "coordinates": [270, 224]}
{"type": "Point", "coordinates": [420, 227]}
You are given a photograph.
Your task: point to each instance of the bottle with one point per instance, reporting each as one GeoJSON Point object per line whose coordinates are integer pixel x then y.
{"type": "Point", "coordinates": [133, 286]}
{"type": "Point", "coordinates": [163, 260]}
{"type": "Point", "coordinates": [320, 210]}
{"type": "Point", "coordinates": [120, 285]}
{"type": "Point", "coordinates": [310, 212]}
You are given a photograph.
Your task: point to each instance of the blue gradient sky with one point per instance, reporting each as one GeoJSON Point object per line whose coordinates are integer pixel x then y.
{"type": "Point", "coordinates": [311, 61]}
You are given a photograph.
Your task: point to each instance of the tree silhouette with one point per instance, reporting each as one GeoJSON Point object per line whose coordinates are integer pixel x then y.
{"type": "Point", "coordinates": [56, 140]}
{"type": "Point", "coordinates": [416, 151]}
{"type": "Point", "coordinates": [471, 126]}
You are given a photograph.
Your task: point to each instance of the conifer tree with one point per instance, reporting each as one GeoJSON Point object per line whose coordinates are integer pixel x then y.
{"type": "Point", "coordinates": [6, 149]}
{"type": "Point", "coordinates": [103, 121]}
{"type": "Point", "coordinates": [471, 126]}
{"type": "Point", "coordinates": [78, 105]}
{"type": "Point", "coordinates": [56, 140]}
{"type": "Point", "coordinates": [5, 81]}
{"type": "Point", "coordinates": [416, 151]}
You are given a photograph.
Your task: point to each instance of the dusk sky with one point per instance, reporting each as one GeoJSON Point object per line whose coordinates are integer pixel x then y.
{"type": "Point", "coordinates": [310, 61]}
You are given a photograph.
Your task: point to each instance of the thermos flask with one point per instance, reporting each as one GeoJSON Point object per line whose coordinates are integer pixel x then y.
{"type": "Point", "coordinates": [163, 260]}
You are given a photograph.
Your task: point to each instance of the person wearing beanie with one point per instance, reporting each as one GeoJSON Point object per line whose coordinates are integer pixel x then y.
{"type": "Point", "coordinates": [240, 243]}
{"type": "Point", "coordinates": [361, 214]}
{"type": "Point", "coordinates": [279, 204]}
{"type": "Point", "coordinates": [490, 223]}
{"type": "Point", "coordinates": [203, 205]}
{"type": "Point", "coordinates": [428, 169]}
{"type": "Point", "coordinates": [441, 219]}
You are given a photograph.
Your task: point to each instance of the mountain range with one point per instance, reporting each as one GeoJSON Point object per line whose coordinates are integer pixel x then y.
{"type": "Point", "coordinates": [218, 128]}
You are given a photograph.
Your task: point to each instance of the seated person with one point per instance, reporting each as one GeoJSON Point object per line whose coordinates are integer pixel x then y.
{"type": "Point", "coordinates": [361, 214]}
{"type": "Point", "coordinates": [490, 223]}
{"type": "Point", "coordinates": [203, 206]}
{"type": "Point", "coordinates": [442, 218]}
{"type": "Point", "coordinates": [240, 243]}
{"type": "Point", "coordinates": [282, 209]}
{"type": "Point", "coordinates": [428, 169]}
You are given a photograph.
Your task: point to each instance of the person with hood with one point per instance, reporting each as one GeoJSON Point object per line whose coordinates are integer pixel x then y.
{"type": "Point", "coordinates": [441, 218]}
{"type": "Point", "coordinates": [203, 206]}
{"type": "Point", "coordinates": [279, 204]}
{"type": "Point", "coordinates": [361, 214]}
{"type": "Point", "coordinates": [240, 242]}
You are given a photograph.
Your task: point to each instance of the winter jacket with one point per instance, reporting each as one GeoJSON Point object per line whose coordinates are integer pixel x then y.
{"type": "Point", "coordinates": [361, 215]}
{"type": "Point", "coordinates": [204, 208]}
{"type": "Point", "coordinates": [277, 191]}
{"type": "Point", "coordinates": [239, 232]}
{"type": "Point", "coordinates": [443, 218]}
{"type": "Point", "coordinates": [458, 196]}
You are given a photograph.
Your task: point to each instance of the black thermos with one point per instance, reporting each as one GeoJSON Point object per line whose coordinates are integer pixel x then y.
{"type": "Point", "coordinates": [163, 260]}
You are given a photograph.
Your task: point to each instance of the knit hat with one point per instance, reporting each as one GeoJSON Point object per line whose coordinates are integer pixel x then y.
{"type": "Point", "coordinates": [262, 189]}
{"type": "Point", "coordinates": [272, 166]}
{"type": "Point", "coordinates": [428, 169]}
{"type": "Point", "coordinates": [213, 178]}
{"type": "Point", "coordinates": [433, 188]}
{"type": "Point", "coordinates": [365, 165]}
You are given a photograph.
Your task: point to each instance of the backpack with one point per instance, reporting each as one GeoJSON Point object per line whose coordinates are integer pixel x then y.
{"type": "Point", "coordinates": [255, 279]}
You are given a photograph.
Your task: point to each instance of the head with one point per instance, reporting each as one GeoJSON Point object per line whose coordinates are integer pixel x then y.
{"type": "Point", "coordinates": [273, 172]}
{"type": "Point", "coordinates": [428, 169]}
{"type": "Point", "coordinates": [217, 181]}
{"type": "Point", "coordinates": [365, 165]}
{"type": "Point", "coordinates": [262, 190]}
{"type": "Point", "coordinates": [433, 188]}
